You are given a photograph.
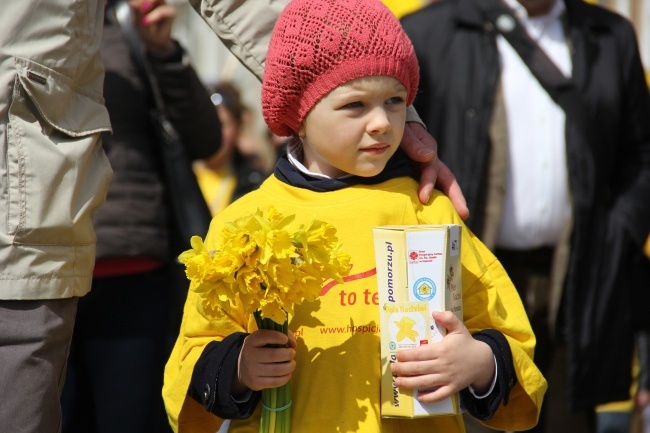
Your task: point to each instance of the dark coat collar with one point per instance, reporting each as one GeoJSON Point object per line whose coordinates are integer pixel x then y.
{"type": "Point", "coordinates": [468, 14]}
{"type": "Point", "coordinates": [584, 20]}
{"type": "Point", "coordinates": [581, 14]}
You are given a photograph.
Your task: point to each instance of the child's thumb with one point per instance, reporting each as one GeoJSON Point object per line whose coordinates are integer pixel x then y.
{"type": "Point", "coordinates": [448, 320]}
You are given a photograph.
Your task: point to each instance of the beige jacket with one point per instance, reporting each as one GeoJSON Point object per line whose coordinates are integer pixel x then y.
{"type": "Point", "coordinates": [53, 171]}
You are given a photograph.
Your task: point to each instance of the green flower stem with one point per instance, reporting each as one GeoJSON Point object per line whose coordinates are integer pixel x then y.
{"type": "Point", "coordinates": [275, 421]}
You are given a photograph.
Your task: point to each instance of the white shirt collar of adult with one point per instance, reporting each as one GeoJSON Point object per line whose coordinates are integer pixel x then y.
{"type": "Point", "coordinates": [535, 25]}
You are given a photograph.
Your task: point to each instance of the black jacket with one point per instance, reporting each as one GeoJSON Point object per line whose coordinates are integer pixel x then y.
{"type": "Point", "coordinates": [607, 287]}
{"type": "Point", "coordinates": [135, 220]}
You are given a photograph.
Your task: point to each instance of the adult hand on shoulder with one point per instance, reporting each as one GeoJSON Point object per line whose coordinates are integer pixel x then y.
{"type": "Point", "coordinates": [421, 147]}
{"type": "Point", "coordinates": [262, 367]}
{"type": "Point", "coordinates": [153, 20]}
{"type": "Point", "coordinates": [447, 366]}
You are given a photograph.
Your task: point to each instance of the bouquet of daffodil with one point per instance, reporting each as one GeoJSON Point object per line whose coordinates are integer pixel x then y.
{"type": "Point", "coordinates": [264, 268]}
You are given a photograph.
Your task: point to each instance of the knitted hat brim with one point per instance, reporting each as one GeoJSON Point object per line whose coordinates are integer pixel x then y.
{"type": "Point", "coordinates": [350, 69]}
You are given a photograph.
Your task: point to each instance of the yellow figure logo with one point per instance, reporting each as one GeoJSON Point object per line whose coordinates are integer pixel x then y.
{"type": "Point", "coordinates": [406, 330]}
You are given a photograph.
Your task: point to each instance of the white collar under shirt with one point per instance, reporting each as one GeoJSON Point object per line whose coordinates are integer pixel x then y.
{"type": "Point", "coordinates": [295, 161]}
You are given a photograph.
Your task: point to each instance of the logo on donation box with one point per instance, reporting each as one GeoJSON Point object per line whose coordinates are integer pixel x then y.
{"type": "Point", "coordinates": [413, 256]}
{"type": "Point", "coordinates": [424, 289]}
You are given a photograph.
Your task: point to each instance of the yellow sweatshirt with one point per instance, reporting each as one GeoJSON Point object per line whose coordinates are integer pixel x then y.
{"type": "Point", "coordinates": [335, 387]}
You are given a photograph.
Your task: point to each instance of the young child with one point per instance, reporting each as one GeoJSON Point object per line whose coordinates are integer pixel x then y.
{"type": "Point", "coordinates": [339, 75]}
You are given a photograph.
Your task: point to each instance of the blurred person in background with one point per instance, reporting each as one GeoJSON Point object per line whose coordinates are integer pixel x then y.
{"type": "Point", "coordinates": [240, 166]}
{"type": "Point", "coordinates": [121, 334]}
{"type": "Point", "coordinates": [561, 198]}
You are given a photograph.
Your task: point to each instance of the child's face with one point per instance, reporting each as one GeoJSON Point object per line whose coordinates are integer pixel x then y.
{"type": "Point", "coordinates": [356, 128]}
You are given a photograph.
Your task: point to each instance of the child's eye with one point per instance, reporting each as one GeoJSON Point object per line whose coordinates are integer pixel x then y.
{"type": "Point", "coordinates": [356, 104]}
{"type": "Point", "coordinates": [395, 100]}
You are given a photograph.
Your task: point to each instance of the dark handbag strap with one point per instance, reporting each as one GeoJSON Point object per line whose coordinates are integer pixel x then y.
{"type": "Point", "coordinates": [560, 88]}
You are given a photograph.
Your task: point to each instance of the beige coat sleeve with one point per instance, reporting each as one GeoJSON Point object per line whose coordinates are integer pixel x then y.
{"type": "Point", "coordinates": [244, 26]}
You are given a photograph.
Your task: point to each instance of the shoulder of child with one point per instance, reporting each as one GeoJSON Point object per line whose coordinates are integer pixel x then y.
{"type": "Point", "coordinates": [438, 210]}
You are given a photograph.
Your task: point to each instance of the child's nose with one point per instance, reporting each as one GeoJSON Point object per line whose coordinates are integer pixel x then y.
{"type": "Point", "coordinates": [378, 122]}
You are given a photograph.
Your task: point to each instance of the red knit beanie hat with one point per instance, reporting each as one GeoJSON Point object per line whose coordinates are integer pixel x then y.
{"type": "Point", "coordinates": [317, 45]}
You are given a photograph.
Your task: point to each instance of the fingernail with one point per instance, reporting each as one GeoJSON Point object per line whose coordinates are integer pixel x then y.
{"type": "Point", "coordinates": [145, 20]}
{"type": "Point", "coordinates": [146, 6]}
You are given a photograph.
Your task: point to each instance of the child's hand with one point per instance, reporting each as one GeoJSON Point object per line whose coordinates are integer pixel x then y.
{"type": "Point", "coordinates": [262, 367]}
{"type": "Point", "coordinates": [450, 365]}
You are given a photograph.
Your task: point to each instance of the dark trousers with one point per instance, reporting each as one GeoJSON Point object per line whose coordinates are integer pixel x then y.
{"type": "Point", "coordinates": [119, 348]}
{"type": "Point", "coordinates": [34, 341]}
{"type": "Point", "coordinates": [530, 272]}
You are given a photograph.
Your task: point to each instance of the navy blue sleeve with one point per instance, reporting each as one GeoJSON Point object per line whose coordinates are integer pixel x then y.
{"type": "Point", "coordinates": [213, 376]}
{"type": "Point", "coordinates": [484, 409]}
